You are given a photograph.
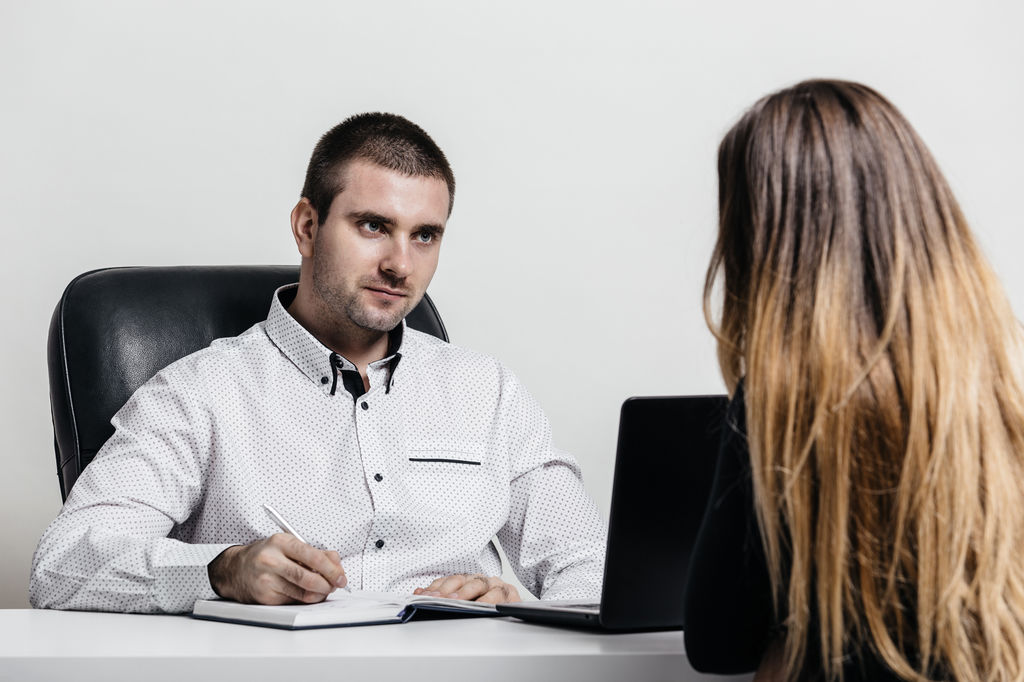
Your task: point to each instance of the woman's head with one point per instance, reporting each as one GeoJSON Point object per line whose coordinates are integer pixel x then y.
{"type": "Point", "coordinates": [882, 372]}
{"type": "Point", "coordinates": [828, 200]}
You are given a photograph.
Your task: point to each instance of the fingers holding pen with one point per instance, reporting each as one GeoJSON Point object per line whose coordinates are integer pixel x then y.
{"type": "Point", "coordinates": [323, 567]}
{"type": "Point", "coordinates": [280, 569]}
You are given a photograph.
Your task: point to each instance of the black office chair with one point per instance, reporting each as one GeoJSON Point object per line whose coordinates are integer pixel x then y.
{"type": "Point", "coordinates": [115, 328]}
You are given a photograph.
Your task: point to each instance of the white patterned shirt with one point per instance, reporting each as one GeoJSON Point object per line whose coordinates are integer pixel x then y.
{"type": "Point", "coordinates": [408, 482]}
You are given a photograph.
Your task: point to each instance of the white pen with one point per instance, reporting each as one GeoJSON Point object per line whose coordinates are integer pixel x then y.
{"type": "Point", "coordinates": [287, 528]}
{"type": "Point", "coordinates": [282, 524]}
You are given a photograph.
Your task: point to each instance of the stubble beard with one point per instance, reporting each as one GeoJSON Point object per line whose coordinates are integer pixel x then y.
{"type": "Point", "coordinates": [346, 305]}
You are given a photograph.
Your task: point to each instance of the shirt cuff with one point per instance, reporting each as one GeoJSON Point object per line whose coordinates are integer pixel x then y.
{"type": "Point", "coordinates": [181, 576]}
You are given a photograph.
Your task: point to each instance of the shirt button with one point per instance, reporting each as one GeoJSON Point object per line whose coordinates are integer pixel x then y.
{"type": "Point", "coordinates": [378, 477]}
{"type": "Point", "coordinates": [379, 544]}
{"type": "Point", "coordinates": [323, 380]}
{"type": "Point", "coordinates": [365, 405]}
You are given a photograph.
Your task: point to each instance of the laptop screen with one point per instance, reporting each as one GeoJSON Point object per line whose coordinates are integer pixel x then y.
{"type": "Point", "coordinates": [664, 466]}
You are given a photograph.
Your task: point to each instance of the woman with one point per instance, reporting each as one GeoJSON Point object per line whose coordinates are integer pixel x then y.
{"type": "Point", "coordinates": [867, 517]}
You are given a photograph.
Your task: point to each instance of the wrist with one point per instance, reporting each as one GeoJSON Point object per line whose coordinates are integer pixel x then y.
{"type": "Point", "coordinates": [221, 572]}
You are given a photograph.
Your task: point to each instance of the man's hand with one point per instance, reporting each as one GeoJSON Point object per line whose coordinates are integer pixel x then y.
{"type": "Point", "coordinates": [277, 570]}
{"type": "Point", "coordinates": [475, 587]}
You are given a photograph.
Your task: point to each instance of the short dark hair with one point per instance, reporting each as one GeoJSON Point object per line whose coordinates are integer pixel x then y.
{"type": "Point", "coordinates": [387, 140]}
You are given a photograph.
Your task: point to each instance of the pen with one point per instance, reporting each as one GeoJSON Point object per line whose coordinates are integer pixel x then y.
{"type": "Point", "coordinates": [281, 523]}
{"type": "Point", "coordinates": [287, 528]}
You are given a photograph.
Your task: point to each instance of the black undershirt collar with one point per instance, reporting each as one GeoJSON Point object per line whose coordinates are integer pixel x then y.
{"type": "Point", "coordinates": [352, 380]}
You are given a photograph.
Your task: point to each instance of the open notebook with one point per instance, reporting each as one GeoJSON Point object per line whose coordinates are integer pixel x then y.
{"type": "Point", "coordinates": [341, 608]}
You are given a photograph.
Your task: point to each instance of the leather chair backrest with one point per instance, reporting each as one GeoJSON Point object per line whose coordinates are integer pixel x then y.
{"type": "Point", "coordinates": [115, 328]}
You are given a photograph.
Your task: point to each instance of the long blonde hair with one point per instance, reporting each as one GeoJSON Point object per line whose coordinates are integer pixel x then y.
{"type": "Point", "coordinates": [884, 391]}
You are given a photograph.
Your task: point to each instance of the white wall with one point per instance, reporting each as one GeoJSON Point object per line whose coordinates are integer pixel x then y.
{"type": "Point", "coordinates": [582, 135]}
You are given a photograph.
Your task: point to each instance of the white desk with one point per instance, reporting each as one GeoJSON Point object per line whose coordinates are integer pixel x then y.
{"type": "Point", "coordinates": [88, 647]}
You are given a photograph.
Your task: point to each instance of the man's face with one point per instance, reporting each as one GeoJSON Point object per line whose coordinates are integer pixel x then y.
{"type": "Point", "coordinates": [377, 250]}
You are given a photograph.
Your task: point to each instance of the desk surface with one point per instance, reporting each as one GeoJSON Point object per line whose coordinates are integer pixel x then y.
{"type": "Point", "coordinates": [46, 645]}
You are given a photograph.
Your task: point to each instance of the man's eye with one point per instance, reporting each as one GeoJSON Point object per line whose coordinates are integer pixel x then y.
{"type": "Point", "coordinates": [371, 226]}
{"type": "Point", "coordinates": [425, 237]}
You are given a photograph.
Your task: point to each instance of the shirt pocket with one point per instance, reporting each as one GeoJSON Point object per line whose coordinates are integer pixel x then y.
{"type": "Point", "coordinates": [453, 482]}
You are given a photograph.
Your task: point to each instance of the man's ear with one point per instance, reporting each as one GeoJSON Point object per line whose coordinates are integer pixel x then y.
{"type": "Point", "coordinates": [304, 226]}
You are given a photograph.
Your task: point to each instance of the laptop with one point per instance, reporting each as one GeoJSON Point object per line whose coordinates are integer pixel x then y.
{"type": "Point", "coordinates": [664, 464]}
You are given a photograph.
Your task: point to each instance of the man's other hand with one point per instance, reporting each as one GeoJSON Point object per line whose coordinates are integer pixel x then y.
{"type": "Point", "coordinates": [277, 570]}
{"type": "Point", "coordinates": [475, 587]}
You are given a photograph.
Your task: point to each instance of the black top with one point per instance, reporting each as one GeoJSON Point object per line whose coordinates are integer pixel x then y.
{"type": "Point", "coordinates": [728, 607]}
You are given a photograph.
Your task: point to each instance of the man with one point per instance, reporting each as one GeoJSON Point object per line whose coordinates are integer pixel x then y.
{"type": "Point", "coordinates": [398, 456]}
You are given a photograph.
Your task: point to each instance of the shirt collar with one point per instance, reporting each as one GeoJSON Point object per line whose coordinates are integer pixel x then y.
{"type": "Point", "coordinates": [304, 350]}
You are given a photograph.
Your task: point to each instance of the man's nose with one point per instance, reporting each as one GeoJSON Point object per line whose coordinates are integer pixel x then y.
{"type": "Point", "coordinates": [397, 260]}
